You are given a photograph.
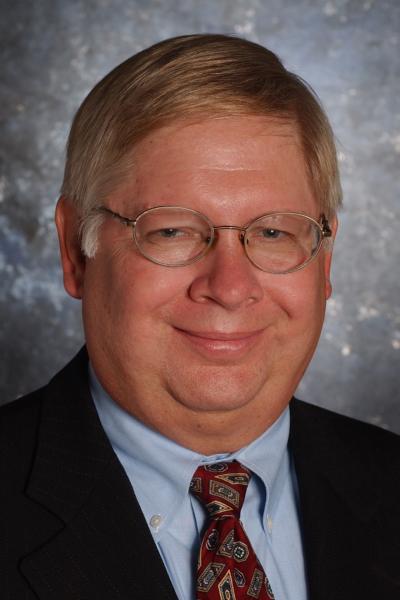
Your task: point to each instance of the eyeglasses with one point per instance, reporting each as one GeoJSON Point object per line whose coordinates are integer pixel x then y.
{"type": "Point", "coordinates": [278, 242]}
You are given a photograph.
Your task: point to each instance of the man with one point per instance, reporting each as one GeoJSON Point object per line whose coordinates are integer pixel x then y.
{"type": "Point", "coordinates": [196, 223]}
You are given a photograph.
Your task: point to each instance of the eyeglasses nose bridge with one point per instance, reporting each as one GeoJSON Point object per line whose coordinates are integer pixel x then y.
{"type": "Point", "coordinates": [233, 227]}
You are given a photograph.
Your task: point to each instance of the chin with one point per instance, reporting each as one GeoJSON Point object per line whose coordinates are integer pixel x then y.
{"type": "Point", "coordinates": [211, 393]}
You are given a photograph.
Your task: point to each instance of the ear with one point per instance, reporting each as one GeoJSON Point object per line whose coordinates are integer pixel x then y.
{"type": "Point", "coordinates": [72, 258]}
{"type": "Point", "coordinates": [333, 223]}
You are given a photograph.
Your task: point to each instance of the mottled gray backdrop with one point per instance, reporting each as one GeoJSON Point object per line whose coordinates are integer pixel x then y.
{"type": "Point", "coordinates": [54, 51]}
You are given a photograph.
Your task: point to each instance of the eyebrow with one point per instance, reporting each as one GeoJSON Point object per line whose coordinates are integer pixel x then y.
{"type": "Point", "coordinates": [141, 206]}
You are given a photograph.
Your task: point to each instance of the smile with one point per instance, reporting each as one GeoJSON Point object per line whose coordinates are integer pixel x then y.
{"type": "Point", "coordinates": [220, 344]}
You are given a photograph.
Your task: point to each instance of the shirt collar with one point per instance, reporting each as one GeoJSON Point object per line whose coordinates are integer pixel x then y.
{"type": "Point", "coordinates": [268, 457]}
{"type": "Point", "coordinates": [160, 470]}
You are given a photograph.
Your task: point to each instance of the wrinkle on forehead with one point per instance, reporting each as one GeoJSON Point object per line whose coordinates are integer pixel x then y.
{"type": "Point", "coordinates": [228, 156]}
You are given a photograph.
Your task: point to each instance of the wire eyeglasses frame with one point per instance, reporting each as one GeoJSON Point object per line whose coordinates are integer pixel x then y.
{"type": "Point", "coordinates": [322, 226]}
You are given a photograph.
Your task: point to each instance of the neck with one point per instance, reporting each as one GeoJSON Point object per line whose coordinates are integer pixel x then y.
{"type": "Point", "coordinates": [214, 432]}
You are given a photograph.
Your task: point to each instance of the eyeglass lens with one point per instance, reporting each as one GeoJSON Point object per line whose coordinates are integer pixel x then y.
{"type": "Point", "coordinates": [276, 243]}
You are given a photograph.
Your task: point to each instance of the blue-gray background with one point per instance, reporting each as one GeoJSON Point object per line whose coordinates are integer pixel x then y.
{"type": "Point", "coordinates": [54, 51]}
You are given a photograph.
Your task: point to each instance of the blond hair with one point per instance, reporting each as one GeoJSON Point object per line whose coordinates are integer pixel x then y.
{"type": "Point", "coordinates": [180, 78]}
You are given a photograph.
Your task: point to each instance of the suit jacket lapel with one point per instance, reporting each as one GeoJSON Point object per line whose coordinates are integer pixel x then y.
{"type": "Point", "coordinates": [339, 509]}
{"type": "Point", "coordinates": [100, 547]}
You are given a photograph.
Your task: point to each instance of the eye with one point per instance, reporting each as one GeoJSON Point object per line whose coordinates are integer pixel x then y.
{"type": "Point", "coordinates": [170, 232]}
{"type": "Point", "coordinates": [271, 233]}
{"type": "Point", "coordinates": [268, 233]}
{"type": "Point", "coordinates": [166, 235]}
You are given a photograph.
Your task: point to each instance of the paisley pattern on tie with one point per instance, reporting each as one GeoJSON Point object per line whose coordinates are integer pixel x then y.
{"type": "Point", "coordinates": [228, 568]}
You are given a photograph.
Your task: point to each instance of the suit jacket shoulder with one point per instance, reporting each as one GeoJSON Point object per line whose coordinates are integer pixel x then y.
{"type": "Point", "coordinates": [349, 485]}
{"type": "Point", "coordinates": [349, 449]}
{"type": "Point", "coordinates": [73, 528]}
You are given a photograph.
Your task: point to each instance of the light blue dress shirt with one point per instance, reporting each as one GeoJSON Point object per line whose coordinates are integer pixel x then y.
{"type": "Point", "coordinates": [160, 472]}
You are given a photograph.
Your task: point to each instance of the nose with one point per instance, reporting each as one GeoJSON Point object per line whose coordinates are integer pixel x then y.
{"type": "Point", "coordinates": [226, 276]}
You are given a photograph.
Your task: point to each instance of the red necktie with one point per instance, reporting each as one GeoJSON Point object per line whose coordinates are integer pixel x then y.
{"type": "Point", "coordinates": [228, 567]}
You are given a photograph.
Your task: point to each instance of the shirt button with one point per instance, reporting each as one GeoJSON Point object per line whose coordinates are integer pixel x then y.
{"type": "Point", "coordinates": [269, 524]}
{"type": "Point", "coordinates": [155, 522]}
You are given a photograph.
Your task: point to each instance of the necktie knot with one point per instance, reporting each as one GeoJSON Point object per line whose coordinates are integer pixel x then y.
{"type": "Point", "coordinates": [221, 487]}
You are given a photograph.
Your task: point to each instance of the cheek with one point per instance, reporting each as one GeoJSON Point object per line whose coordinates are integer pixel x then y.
{"type": "Point", "coordinates": [135, 294]}
{"type": "Point", "coordinates": [302, 296]}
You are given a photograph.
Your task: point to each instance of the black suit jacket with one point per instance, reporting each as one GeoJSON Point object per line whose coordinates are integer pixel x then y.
{"type": "Point", "coordinates": [71, 528]}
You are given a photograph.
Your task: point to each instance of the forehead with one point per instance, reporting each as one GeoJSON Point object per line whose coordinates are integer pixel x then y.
{"type": "Point", "coordinates": [232, 159]}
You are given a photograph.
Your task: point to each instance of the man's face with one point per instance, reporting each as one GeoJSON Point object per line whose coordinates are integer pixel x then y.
{"type": "Point", "coordinates": [218, 340]}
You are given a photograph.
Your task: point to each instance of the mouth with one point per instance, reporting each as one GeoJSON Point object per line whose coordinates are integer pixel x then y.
{"type": "Point", "coordinates": [221, 344]}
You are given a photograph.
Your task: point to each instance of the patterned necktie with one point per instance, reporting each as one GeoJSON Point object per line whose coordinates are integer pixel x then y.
{"type": "Point", "coordinates": [228, 567]}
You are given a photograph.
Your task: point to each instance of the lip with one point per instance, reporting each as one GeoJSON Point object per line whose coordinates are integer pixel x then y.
{"type": "Point", "coordinates": [220, 335]}
{"type": "Point", "coordinates": [221, 344]}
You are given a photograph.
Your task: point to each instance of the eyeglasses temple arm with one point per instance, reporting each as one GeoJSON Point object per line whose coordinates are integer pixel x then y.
{"type": "Point", "coordinates": [120, 218]}
{"type": "Point", "coordinates": [326, 230]}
